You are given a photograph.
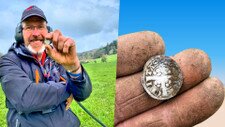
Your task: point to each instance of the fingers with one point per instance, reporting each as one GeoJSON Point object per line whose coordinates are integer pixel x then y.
{"type": "Point", "coordinates": [185, 110]}
{"type": "Point", "coordinates": [55, 38]}
{"type": "Point", "coordinates": [48, 36]}
{"type": "Point", "coordinates": [52, 52]}
{"type": "Point", "coordinates": [69, 44]}
{"type": "Point", "coordinates": [48, 50]}
{"type": "Point", "coordinates": [63, 50]}
{"type": "Point", "coordinates": [66, 47]}
{"type": "Point", "coordinates": [60, 42]}
{"type": "Point", "coordinates": [195, 66]}
{"type": "Point", "coordinates": [135, 49]}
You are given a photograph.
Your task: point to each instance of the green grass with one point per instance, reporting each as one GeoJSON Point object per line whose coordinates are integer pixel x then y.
{"type": "Point", "coordinates": [3, 109]}
{"type": "Point", "coordinates": [101, 101]}
{"type": "Point", "coordinates": [110, 58]}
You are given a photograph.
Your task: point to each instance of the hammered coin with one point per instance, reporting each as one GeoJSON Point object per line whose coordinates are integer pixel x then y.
{"type": "Point", "coordinates": [162, 77]}
{"type": "Point", "coordinates": [47, 41]}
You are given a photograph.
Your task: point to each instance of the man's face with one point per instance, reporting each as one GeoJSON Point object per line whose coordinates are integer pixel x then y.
{"type": "Point", "coordinates": [34, 32]}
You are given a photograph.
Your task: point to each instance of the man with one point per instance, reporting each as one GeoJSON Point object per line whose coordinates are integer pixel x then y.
{"type": "Point", "coordinates": [37, 78]}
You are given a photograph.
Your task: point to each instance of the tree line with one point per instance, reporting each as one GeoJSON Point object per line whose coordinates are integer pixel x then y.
{"type": "Point", "coordinates": [109, 49]}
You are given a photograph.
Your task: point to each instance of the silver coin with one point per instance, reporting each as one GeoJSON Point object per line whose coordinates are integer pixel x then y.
{"type": "Point", "coordinates": [162, 77]}
{"type": "Point", "coordinates": [47, 41]}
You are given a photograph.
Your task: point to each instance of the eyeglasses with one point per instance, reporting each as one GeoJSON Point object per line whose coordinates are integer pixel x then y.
{"type": "Point", "coordinates": [32, 28]}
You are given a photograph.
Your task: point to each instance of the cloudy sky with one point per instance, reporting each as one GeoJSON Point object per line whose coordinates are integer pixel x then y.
{"type": "Point", "coordinates": [92, 23]}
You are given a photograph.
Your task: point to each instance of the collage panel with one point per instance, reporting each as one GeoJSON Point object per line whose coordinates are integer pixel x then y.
{"type": "Point", "coordinates": [60, 68]}
{"type": "Point", "coordinates": [170, 64]}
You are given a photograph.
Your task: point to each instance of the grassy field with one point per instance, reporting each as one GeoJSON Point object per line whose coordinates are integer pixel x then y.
{"type": "Point", "coordinates": [110, 58]}
{"type": "Point", "coordinates": [101, 101]}
{"type": "Point", "coordinates": [3, 109]}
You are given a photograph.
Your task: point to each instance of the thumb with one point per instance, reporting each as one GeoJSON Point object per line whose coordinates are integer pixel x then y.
{"type": "Point", "coordinates": [49, 50]}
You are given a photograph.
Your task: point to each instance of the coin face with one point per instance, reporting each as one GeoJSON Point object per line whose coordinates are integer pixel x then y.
{"type": "Point", "coordinates": [47, 41]}
{"type": "Point", "coordinates": [162, 77]}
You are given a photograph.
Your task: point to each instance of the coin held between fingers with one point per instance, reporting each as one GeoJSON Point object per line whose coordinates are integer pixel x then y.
{"type": "Point", "coordinates": [162, 77]}
{"type": "Point", "coordinates": [47, 41]}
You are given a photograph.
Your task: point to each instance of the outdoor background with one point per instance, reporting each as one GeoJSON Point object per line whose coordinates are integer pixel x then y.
{"type": "Point", "coordinates": [94, 26]}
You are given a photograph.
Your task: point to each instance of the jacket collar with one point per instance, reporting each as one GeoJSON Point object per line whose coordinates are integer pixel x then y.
{"type": "Point", "coordinates": [21, 50]}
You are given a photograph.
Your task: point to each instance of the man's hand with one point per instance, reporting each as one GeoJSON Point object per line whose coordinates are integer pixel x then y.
{"type": "Point", "coordinates": [63, 51]}
{"type": "Point", "coordinates": [199, 97]}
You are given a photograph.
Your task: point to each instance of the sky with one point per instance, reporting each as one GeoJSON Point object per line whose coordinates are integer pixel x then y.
{"type": "Point", "coordinates": [91, 23]}
{"type": "Point", "coordinates": [182, 24]}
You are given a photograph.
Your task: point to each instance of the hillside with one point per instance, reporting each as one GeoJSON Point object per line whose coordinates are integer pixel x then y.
{"type": "Point", "coordinates": [109, 49]}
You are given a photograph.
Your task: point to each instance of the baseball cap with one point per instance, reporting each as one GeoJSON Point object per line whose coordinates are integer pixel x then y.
{"type": "Point", "coordinates": [33, 11]}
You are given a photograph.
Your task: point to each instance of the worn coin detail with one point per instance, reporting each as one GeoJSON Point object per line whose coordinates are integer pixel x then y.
{"type": "Point", "coordinates": [162, 77]}
{"type": "Point", "coordinates": [47, 41]}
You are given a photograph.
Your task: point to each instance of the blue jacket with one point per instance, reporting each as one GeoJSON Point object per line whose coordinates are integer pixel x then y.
{"type": "Point", "coordinates": [40, 104]}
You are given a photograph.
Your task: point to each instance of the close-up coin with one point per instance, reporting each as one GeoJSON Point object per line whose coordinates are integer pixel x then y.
{"type": "Point", "coordinates": [162, 77]}
{"type": "Point", "coordinates": [47, 41]}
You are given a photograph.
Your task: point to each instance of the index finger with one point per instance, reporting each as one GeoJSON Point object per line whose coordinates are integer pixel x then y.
{"type": "Point", "coordinates": [49, 36]}
{"type": "Point", "coordinates": [135, 49]}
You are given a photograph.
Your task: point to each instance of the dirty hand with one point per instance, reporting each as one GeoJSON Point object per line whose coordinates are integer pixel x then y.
{"type": "Point", "coordinates": [199, 97]}
{"type": "Point", "coordinates": [63, 51]}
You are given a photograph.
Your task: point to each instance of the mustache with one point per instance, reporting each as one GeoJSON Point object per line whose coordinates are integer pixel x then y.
{"type": "Point", "coordinates": [36, 39]}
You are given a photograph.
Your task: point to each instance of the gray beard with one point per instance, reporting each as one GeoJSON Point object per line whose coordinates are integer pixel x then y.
{"type": "Point", "coordinates": [36, 52]}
